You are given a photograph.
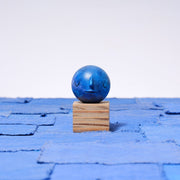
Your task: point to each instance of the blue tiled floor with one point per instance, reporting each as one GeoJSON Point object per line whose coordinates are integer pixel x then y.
{"type": "Point", "coordinates": [37, 142]}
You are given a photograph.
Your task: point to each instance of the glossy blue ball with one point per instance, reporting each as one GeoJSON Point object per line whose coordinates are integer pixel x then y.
{"type": "Point", "coordinates": [90, 84]}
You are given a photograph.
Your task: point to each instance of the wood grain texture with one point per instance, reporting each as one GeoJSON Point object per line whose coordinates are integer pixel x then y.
{"type": "Point", "coordinates": [90, 116]}
{"type": "Point", "coordinates": [77, 105]}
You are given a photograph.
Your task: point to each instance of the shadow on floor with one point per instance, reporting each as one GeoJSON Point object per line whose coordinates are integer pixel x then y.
{"type": "Point", "coordinates": [116, 126]}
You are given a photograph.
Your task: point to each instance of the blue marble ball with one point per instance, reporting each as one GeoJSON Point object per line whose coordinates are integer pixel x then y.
{"type": "Point", "coordinates": [90, 84]}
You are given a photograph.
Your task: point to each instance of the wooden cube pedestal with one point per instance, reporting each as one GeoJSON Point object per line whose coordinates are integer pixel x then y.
{"type": "Point", "coordinates": [90, 116]}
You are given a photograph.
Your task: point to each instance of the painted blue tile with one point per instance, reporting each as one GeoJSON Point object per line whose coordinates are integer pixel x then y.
{"type": "Point", "coordinates": [32, 109]}
{"type": "Point", "coordinates": [103, 137]}
{"type": "Point", "coordinates": [110, 153]}
{"type": "Point", "coordinates": [17, 130]}
{"type": "Point", "coordinates": [63, 125]}
{"type": "Point", "coordinates": [121, 137]}
{"type": "Point", "coordinates": [4, 113]}
{"type": "Point", "coordinates": [63, 103]}
{"type": "Point", "coordinates": [105, 172]}
{"type": "Point", "coordinates": [47, 120]}
{"type": "Point", "coordinates": [135, 116]}
{"type": "Point", "coordinates": [173, 108]}
{"type": "Point", "coordinates": [170, 120]}
{"type": "Point", "coordinates": [159, 101]}
{"type": "Point", "coordinates": [172, 172]}
{"type": "Point", "coordinates": [15, 100]}
{"type": "Point", "coordinates": [130, 120]}
{"type": "Point", "coordinates": [22, 166]}
{"type": "Point", "coordinates": [162, 133]}
{"type": "Point", "coordinates": [115, 101]}
{"type": "Point", "coordinates": [21, 143]}
{"type": "Point", "coordinates": [170, 105]}
{"type": "Point", "coordinates": [148, 103]}
{"type": "Point", "coordinates": [118, 104]}
{"type": "Point", "coordinates": [35, 142]}
{"type": "Point", "coordinates": [69, 138]}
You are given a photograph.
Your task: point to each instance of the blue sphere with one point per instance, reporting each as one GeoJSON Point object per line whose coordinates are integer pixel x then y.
{"type": "Point", "coordinates": [90, 84]}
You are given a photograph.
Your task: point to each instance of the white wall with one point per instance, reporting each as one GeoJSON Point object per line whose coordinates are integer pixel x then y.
{"type": "Point", "coordinates": [42, 44]}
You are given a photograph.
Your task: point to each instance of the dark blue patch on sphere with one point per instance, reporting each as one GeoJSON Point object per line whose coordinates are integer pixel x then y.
{"type": "Point", "coordinates": [90, 84]}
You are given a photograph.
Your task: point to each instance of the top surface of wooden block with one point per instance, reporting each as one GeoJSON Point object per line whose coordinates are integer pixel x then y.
{"type": "Point", "coordinates": [104, 105]}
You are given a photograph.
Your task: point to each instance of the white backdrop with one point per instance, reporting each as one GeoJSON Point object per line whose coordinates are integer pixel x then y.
{"type": "Point", "coordinates": [43, 42]}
